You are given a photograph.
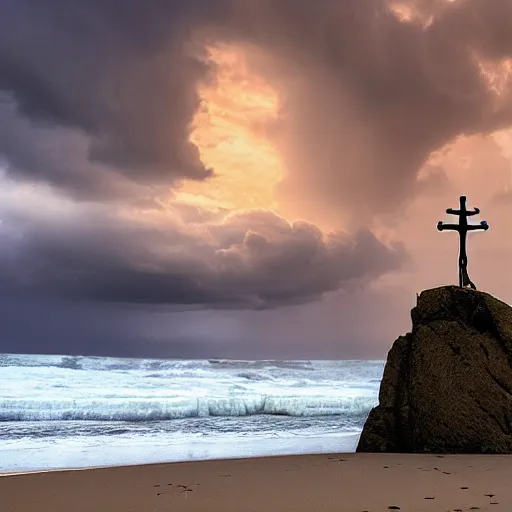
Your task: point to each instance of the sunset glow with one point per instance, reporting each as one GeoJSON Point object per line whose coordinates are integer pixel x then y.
{"type": "Point", "coordinates": [230, 132]}
{"type": "Point", "coordinates": [402, 11]}
{"type": "Point", "coordinates": [504, 140]}
{"type": "Point", "coordinates": [497, 75]}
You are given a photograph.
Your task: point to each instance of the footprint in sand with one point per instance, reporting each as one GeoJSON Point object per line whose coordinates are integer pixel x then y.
{"type": "Point", "coordinates": [185, 489]}
{"type": "Point", "coordinates": [490, 496]}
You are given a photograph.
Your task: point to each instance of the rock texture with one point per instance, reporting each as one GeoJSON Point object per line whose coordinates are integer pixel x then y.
{"type": "Point", "coordinates": [447, 385]}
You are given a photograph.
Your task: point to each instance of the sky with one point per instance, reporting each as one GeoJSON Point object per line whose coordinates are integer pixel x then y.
{"type": "Point", "coordinates": [246, 178]}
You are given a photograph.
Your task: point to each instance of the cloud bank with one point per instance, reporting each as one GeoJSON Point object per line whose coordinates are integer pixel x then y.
{"type": "Point", "coordinates": [253, 259]}
{"type": "Point", "coordinates": [97, 100]}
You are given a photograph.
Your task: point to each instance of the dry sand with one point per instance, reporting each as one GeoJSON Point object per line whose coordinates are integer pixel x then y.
{"type": "Point", "coordinates": [344, 482]}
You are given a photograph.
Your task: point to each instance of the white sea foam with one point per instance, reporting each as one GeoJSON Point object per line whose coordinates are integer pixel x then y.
{"type": "Point", "coordinates": [64, 388]}
{"type": "Point", "coordinates": [167, 408]}
{"type": "Point", "coordinates": [79, 452]}
{"type": "Point", "coordinates": [82, 407]}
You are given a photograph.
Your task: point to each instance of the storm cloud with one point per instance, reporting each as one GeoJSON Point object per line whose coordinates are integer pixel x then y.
{"type": "Point", "coordinates": [367, 96]}
{"type": "Point", "coordinates": [253, 259]}
{"type": "Point", "coordinates": [119, 75]}
{"type": "Point", "coordinates": [97, 99]}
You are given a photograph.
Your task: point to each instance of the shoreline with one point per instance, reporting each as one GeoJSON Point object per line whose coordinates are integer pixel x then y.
{"type": "Point", "coordinates": [93, 452]}
{"type": "Point", "coordinates": [349, 482]}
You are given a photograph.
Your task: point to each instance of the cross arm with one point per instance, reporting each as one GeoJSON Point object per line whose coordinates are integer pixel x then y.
{"type": "Point", "coordinates": [442, 227]}
{"type": "Point", "coordinates": [476, 211]}
{"type": "Point", "coordinates": [473, 227]}
{"type": "Point", "coordinates": [451, 211]}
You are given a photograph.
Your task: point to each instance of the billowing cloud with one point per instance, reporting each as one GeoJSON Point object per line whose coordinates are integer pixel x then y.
{"type": "Point", "coordinates": [367, 95]}
{"type": "Point", "coordinates": [97, 101]}
{"type": "Point", "coordinates": [253, 259]}
{"type": "Point", "coordinates": [120, 75]}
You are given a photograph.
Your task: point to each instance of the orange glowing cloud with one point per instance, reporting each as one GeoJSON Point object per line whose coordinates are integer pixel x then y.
{"type": "Point", "coordinates": [230, 132]}
{"type": "Point", "coordinates": [403, 11]}
{"type": "Point", "coordinates": [497, 76]}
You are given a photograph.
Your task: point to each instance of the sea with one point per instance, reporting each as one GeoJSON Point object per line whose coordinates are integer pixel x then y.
{"type": "Point", "coordinates": [70, 412]}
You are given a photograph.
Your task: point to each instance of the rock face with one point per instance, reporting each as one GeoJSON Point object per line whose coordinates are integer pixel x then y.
{"type": "Point", "coordinates": [447, 385]}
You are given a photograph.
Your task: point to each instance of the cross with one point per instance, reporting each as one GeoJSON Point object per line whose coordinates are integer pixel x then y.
{"type": "Point", "coordinates": [463, 227]}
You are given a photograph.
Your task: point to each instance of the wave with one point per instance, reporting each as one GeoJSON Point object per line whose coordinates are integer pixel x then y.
{"type": "Point", "coordinates": [71, 362]}
{"type": "Point", "coordinates": [264, 363]}
{"type": "Point", "coordinates": [332, 370]}
{"type": "Point", "coordinates": [114, 363]}
{"type": "Point", "coordinates": [253, 376]}
{"type": "Point", "coordinates": [95, 363]}
{"type": "Point", "coordinates": [167, 409]}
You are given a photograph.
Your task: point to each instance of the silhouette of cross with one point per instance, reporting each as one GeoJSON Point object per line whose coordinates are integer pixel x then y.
{"type": "Point", "coordinates": [462, 228]}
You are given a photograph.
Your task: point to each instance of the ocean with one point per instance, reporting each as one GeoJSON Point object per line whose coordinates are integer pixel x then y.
{"type": "Point", "coordinates": [62, 412]}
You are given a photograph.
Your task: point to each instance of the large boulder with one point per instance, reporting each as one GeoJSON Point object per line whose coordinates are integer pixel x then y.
{"type": "Point", "coordinates": [447, 385]}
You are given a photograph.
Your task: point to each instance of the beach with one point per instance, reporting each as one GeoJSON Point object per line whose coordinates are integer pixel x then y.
{"type": "Point", "coordinates": [354, 482]}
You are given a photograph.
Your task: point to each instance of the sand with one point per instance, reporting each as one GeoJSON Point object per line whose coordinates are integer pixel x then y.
{"type": "Point", "coordinates": [343, 482]}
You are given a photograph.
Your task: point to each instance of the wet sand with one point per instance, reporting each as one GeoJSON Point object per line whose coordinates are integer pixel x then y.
{"type": "Point", "coordinates": [339, 482]}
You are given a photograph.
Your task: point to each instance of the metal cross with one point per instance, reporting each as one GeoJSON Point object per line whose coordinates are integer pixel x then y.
{"type": "Point", "coordinates": [462, 228]}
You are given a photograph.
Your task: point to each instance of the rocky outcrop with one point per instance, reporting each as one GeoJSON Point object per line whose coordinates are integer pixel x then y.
{"type": "Point", "coordinates": [447, 385]}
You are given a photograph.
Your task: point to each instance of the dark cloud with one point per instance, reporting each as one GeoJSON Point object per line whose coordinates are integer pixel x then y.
{"type": "Point", "coordinates": [57, 157]}
{"type": "Point", "coordinates": [117, 73]}
{"type": "Point", "coordinates": [366, 98]}
{"type": "Point", "coordinates": [99, 96]}
{"type": "Point", "coordinates": [96, 102]}
{"type": "Point", "coordinates": [250, 260]}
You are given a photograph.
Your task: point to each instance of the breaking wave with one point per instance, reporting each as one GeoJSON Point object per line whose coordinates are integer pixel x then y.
{"type": "Point", "coordinates": [158, 410]}
{"type": "Point", "coordinates": [61, 388]}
